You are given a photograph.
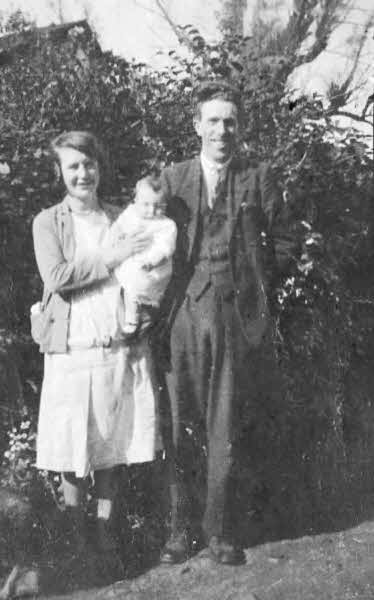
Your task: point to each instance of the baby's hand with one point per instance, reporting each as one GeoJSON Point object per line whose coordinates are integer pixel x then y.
{"type": "Point", "coordinates": [147, 266]}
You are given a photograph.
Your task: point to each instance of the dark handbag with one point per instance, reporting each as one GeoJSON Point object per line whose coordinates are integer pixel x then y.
{"type": "Point", "coordinates": [40, 320]}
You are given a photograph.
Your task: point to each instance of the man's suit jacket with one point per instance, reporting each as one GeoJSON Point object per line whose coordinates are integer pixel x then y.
{"type": "Point", "coordinates": [257, 235]}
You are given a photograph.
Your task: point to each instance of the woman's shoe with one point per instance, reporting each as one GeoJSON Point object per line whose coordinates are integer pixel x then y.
{"type": "Point", "coordinates": [104, 539]}
{"type": "Point", "coordinates": [111, 566]}
{"type": "Point", "coordinates": [75, 530]}
{"type": "Point", "coordinates": [175, 551]}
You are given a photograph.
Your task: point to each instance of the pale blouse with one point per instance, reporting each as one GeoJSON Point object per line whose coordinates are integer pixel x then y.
{"type": "Point", "coordinates": [95, 312]}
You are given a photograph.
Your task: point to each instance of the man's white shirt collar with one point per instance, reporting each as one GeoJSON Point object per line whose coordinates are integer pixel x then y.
{"type": "Point", "coordinates": [212, 168]}
{"type": "Point", "coordinates": [213, 174]}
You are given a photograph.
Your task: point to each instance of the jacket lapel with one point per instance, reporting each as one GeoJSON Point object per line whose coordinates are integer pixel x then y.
{"type": "Point", "coordinates": [192, 196]}
{"type": "Point", "coordinates": [240, 181]}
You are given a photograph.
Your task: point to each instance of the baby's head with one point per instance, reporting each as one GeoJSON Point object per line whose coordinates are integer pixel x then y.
{"type": "Point", "coordinates": [150, 197]}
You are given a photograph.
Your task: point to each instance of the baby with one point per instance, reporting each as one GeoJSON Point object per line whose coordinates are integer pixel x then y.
{"type": "Point", "coordinates": [145, 275]}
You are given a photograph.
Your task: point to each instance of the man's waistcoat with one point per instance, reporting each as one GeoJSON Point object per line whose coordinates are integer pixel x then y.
{"type": "Point", "coordinates": [210, 254]}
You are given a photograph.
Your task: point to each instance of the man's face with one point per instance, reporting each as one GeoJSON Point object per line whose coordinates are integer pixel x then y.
{"type": "Point", "coordinates": [218, 127]}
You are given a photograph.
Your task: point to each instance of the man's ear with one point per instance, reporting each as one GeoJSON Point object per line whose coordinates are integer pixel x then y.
{"type": "Point", "coordinates": [197, 125]}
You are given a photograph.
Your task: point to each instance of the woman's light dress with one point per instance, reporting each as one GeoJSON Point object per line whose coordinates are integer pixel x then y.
{"type": "Point", "coordinates": [98, 405]}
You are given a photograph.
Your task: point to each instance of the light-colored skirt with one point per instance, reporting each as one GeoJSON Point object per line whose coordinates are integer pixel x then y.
{"type": "Point", "coordinates": [98, 409]}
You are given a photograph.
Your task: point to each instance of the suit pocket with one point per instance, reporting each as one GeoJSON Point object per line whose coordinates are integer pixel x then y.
{"type": "Point", "coordinates": [252, 221]}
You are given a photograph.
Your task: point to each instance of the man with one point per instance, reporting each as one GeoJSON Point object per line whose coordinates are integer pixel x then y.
{"type": "Point", "coordinates": [217, 311]}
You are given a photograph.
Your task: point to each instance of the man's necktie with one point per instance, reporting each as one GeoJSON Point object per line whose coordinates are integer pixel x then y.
{"type": "Point", "coordinates": [217, 187]}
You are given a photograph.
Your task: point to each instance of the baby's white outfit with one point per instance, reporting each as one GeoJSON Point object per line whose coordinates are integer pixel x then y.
{"type": "Point", "coordinates": [140, 285]}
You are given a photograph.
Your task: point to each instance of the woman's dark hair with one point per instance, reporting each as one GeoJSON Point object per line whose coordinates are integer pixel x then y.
{"type": "Point", "coordinates": [83, 141]}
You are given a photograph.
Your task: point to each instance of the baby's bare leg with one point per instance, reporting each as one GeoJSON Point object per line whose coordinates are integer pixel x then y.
{"type": "Point", "coordinates": [132, 313]}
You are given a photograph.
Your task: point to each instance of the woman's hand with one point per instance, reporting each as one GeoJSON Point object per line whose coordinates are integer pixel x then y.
{"type": "Point", "coordinates": [127, 246]}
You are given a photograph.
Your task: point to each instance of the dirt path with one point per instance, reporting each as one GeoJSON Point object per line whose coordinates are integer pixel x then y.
{"type": "Point", "coordinates": [334, 566]}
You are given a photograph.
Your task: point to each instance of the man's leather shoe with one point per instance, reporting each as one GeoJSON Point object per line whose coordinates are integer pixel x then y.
{"type": "Point", "coordinates": [225, 553]}
{"type": "Point", "coordinates": [175, 551]}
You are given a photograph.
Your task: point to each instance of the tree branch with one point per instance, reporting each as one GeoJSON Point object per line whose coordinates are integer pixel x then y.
{"type": "Point", "coordinates": [182, 38]}
{"type": "Point", "coordinates": [346, 113]}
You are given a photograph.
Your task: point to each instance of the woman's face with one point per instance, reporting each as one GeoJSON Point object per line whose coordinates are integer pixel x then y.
{"type": "Point", "coordinates": [80, 173]}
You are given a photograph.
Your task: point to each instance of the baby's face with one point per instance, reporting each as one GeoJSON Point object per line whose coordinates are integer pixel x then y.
{"type": "Point", "coordinates": [149, 204]}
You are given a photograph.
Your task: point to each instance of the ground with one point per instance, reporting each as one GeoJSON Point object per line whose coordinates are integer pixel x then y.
{"type": "Point", "coordinates": [336, 566]}
{"type": "Point", "coordinates": [294, 551]}
{"type": "Point", "coordinates": [306, 520]}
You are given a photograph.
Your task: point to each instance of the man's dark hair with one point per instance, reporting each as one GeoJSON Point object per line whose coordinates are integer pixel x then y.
{"type": "Point", "coordinates": [211, 90]}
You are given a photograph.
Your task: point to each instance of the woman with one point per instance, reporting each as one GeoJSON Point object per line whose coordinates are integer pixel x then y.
{"type": "Point", "coordinates": [98, 404]}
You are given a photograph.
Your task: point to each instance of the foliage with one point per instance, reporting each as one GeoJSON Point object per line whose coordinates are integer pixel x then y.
{"type": "Point", "coordinates": [16, 22]}
{"type": "Point", "coordinates": [20, 455]}
{"type": "Point", "coordinates": [144, 117]}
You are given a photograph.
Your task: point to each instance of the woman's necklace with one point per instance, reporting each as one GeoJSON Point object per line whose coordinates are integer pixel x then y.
{"type": "Point", "coordinates": [83, 212]}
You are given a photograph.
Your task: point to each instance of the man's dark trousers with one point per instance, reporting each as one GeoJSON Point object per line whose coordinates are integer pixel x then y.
{"type": "Point", "coordinates": [207, 348]}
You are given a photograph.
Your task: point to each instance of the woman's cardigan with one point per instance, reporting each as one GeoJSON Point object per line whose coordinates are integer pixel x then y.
{"type": "Point", "coordinates": [54, 246]}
